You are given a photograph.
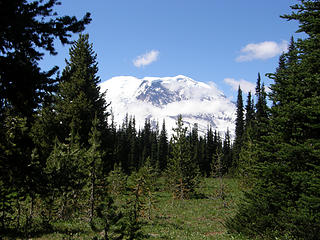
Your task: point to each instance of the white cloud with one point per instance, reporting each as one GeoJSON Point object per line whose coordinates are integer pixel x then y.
{"type": "Point", "coordinates": [244, 85]}
{"type": "Point", "coordinates": [262, 51]}
{"type": "Point", "coordinates": [146, 59]}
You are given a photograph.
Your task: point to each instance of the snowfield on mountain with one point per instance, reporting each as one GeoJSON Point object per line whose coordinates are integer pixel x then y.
{"type": "Point", "coordinates": [157, 98]}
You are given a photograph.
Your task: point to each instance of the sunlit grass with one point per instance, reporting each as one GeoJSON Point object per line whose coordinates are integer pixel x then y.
{"type": "Point", "coordinates": [202, 217]}
{"type": "Point", "coordinates": [199, 218]}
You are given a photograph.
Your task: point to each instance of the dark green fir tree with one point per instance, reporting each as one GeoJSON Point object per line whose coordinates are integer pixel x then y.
{"type": "Point", "coordinates": [246, 159]}
{"type": "Point", "coordinates": [78, 95]}
{"type": "Point", "coordinates": [27, 31]}
{"type": "Point", "coordinates": [250, 113]}
{"type": "Point", "coordinates": [284, 201]}
{"type": "Point", "coordinates": [262, 111]}
{"type": "Point", "coordinates": [226, 159]}
{"type": "Point", "coordinates": [210, 151]}
{"type": "Point", "coordinates": [194, 144]}
{"type": "Point", "coordinates": [163, 148]}
{"type": "Point", "coordinates": [95, 168]}
{"type": "Point", "coordinates": [146, 136]}
{"type": "Point", "coordinates": [182, 170]}
{"type": "Point", "coordinates": [67, 173]}
{"type": "Point", "coordinates": [239, 129]}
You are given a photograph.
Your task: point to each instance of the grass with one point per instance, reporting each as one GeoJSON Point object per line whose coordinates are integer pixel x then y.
{"type": "Point", "coordinates": [198, 218]}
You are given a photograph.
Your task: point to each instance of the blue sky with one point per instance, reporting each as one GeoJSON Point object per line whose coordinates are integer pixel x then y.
{"type": "Point", "coordinates": [225, 41]}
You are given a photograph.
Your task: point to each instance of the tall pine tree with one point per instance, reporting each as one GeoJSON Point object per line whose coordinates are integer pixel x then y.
{"type": "Point", "coordinates": [163, 148]}
{"type": "Point", "coordinates": [262, 111]}
{"type": "Point", "coordinates": [182, 171]}
{"type": "Point", "coordinates": [27, 31]}
{"type": "Point", "coordinates": [94, 165]}
{"type": "Point", "coordinates": [249, 117]}
{"type": "Point", "coordinates": [239, 129]}
{"type": "Point", "coordinates": [284, 200]}
{"type": "Point", "coordinates": [79, 96]}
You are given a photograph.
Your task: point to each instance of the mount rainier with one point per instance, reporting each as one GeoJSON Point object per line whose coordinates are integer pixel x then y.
{"type": "Point", "coordinates": [165, 98]}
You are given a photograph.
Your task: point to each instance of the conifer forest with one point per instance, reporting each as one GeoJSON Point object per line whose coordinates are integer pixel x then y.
{"type": "Point", "coordinates": [69, 171]}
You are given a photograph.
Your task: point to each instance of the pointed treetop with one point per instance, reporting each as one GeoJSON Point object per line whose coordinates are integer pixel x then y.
{"type": "Point", "coordinates": [258, 86]}
{"type": "Point", "coordinates": [249, 110]}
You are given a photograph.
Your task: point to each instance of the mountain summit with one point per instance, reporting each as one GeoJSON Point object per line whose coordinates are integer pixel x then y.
{"type": "Point", "coordinates": [165, 98]}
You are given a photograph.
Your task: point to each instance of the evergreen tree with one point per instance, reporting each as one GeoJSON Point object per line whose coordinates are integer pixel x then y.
{"type": "Point", "coordinates": [133, 155]}
{"type": "Point", "coordinates": [44, 128]}
{"type": "Point", "coordinates": [67, 172]}
{"type": "Point", "coordinates": [146, 136]}
{"type": "Point", "coordinates": [246, 160]}
{"type": "Point", "coordinates": [218, 150]}
{"type": "Point", "coordinates": [94, 163]}
{"type": "Point", "coordinates": [284, 200]}
{"type": "Point", "coordinates": [250, 113]}
{"type": "Point", "coordinates": [111, 138]}
{"type": "Point", "coordinates": [262, 111]}
{"type": "Point", "coordinates": [239, 129]}
{"type": "Point", "coordinates": [109, 214]}
{"type": "Point", "coordinates": [292, 55]}
{"type": "Point", "coordinates": [217, 171]}
{"type": "Point", "coordinates": [154, 149]}
{"type": "Point", "coordinates": [163, 148]}
{"type": "Point", "coordinates": [256, 126]}
{"type": "Point", "coordinates": [258, 87]}
{"type": "Point", "coordinates": [116, 182]}
{"type": "Point", "coordinates": [182, 171]}
{"type": "Point", "coordinates": [143, 181]}
{"type": "Point", "coordinates": [13, 168]}
{"type": "Point", "coordinates": [210, 150]}
{"type": "Point", "coordinates": [194, 144]}
{"type": "Point", "coordinates": [248, 157]}
{"type": "Point", "coordinates": [122, 147]}
{"type": "Point", "coordinates": [27, 29]}
{"type": "Point", "coordinates": [138, 186]}
{"type": "Point", "coordinates": [226, 159]}
{"type": "Point", "coordinates": [202, 155]}
{"type": "Point", "coordinates": [79, 96]}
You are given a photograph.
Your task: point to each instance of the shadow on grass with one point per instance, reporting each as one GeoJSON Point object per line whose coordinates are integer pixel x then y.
{"type": "Point", "coordinates": [198, 195]}
{"type": "Point", "coordinates": [37, 230]}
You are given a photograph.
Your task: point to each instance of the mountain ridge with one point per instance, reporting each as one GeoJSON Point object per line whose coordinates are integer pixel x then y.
{"type": "Point", "coordinates": [158, 98]}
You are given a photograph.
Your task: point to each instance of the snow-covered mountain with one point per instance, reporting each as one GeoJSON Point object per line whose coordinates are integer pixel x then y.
{"type": "Point", "coordinates": [165, 98]}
